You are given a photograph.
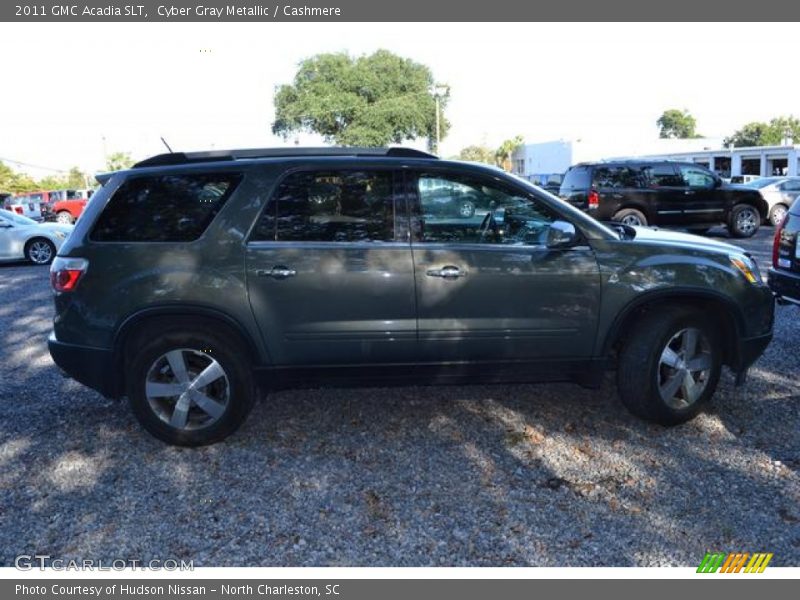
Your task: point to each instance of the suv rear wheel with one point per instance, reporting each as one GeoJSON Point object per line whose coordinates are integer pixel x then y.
{"type": "Point", "coordinates": [189, 389]}
{"type": "Point", "coordinates": [777, 214]}
{"type": "Point", "coordinates": [744, 221]}
{"type": "Point", "coordinates": [631, 216]}
{"type": "Point", "coordinates": [669, 367]}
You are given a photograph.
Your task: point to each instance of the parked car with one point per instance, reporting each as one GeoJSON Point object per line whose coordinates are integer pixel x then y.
{"type": "Point", "coordinates": [779, 193]}
{"type": "Point", "coordinates": [784, 276]}
{"type": "Point", "coordinates": [191, 278]}
{"type": "Point", "coordinates": [665, 193]}
{"type": "Point", "coordinates": [28, 205]}
{"type": "Point", "coordinates": [65, 206]}
{"type": "Point", "coordinates": [23, 238]}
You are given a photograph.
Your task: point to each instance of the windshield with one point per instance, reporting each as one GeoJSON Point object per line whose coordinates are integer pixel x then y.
{"type": "Point", "coordinates": [18, 219]}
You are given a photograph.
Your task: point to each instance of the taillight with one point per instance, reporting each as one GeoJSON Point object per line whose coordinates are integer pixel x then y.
{"type": "Point", "coordinates": [776, 242]}
{"type": "Point", "coordinates": [18, 210]}
{"type": "Point", "coordinates": [66, 272]}
{"type": "Point", "coordinates": [594, 199]}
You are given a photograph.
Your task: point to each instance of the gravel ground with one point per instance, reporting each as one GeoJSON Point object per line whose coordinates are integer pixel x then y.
{"type": "Point", "coordinates": [546, 475]}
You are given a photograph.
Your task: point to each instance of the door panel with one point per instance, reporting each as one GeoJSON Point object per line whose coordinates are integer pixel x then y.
{"type": "Point", "coordinates": [509, 303]}
{"type": "Point", "coordinates": [329, 283]}
{"type": "Point", "coordinates": [345, 303]}
{"type": "Point", "coordinates": [669, 193]}
{"type": "Point", "coordinates": [487, 287]}
{"type": "Point", "coordinates": [703, 202]}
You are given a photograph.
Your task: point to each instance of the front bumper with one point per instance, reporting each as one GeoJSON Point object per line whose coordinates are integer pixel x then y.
{"type": "Point", "coordinates": [93, 367]}
{"type": "Point", "coordinates": [785, 285]}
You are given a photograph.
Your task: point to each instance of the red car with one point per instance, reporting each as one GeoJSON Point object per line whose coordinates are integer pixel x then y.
{"type": "Point", "coordinates": [65, 206]}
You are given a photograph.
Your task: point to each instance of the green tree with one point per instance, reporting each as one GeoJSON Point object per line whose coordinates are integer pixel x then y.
{"type": "Point", "coordinates": [370, 100]}
{"type": "Point", "coordinates": [118, 161]}
{"type": "Point", "coordinates": [758, 133]}
{"type": "Point", "coordinates": [674, 123]}
{"type": "Point", "coordinates": [76, 179]}
{"type": "Point", "coordinates": [480, 154]}
{"type": "Point", "coordinates": [13, 182]}
{"type": "Point", "coordinates": [52, 182]}
{"type": "Point", "coordinates": [503, 154]}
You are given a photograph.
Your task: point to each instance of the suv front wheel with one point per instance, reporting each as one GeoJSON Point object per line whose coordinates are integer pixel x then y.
{"type": "Point", "coordinates": [189, 389]}
{"type": "Point", "coordinates": [669, 366]}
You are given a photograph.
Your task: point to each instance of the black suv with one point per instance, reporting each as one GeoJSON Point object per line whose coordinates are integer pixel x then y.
{"type": "Point", "coordinates": [192, 278]}
{"type": "Point", "coordinates": [638, 193]}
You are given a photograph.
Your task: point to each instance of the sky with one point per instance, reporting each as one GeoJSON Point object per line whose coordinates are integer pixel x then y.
{"type": "Point", "coordinates": [78, 91]}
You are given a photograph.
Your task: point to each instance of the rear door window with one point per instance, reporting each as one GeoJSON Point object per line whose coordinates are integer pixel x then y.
{"type": "Point", "coordinates": [164, 208]}
{"type": "Point", "coordinates": [663, 175]}
{"type": "Point", "coordinates": [617, 177]}
{"type": "Point", "coordinates": [331, 206]}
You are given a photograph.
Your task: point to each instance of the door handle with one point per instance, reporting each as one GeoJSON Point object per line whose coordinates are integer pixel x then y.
{"type": "Point", "coordinates": [446, 272]}
{"type": "Point", "coordinates": [276, 272]}
{"type": "Point", "coordinates": [688, 192]}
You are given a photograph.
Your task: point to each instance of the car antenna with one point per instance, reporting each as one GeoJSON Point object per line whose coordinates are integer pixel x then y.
{"type": "Point", "coordinates": [166, 144]}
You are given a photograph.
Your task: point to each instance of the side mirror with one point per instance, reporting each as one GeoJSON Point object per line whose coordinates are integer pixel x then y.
{"type": "Point", "coordinates": [561, 235]}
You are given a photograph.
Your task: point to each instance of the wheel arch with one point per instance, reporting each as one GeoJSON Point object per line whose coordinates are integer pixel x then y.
{"type": "Point", "coordinates": [200, 317]}
{"type": "Point", "coordinates": [728, 316]}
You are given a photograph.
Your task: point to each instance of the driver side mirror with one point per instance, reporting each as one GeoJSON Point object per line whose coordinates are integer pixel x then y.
{"type": "Point", "coordinates": [561, 234]}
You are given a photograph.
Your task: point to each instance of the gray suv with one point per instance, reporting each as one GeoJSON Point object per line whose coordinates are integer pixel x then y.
{"type": "Point", "coordinates": [192, 280]}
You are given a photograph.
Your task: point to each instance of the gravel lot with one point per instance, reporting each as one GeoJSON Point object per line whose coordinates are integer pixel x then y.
{"type": "Point", "coordinates": [544, 475]}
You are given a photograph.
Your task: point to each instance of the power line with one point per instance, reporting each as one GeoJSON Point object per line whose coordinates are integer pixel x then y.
{"type": "Point", "coordinates": [24, 164]}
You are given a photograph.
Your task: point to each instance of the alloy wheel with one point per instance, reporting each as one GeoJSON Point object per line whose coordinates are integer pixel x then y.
{"type": "Point", "coordinates": [64, 217]}
{"type": "Point", "coordinates": [632, 221]}
{"type": "Point", "coordinates": [747, 221]}
{"type": "Point", "coordinates": [684, 368]}
{"type": "Point", "coordinates": [187, 389]}
{"type": "Point", "coordinates": [40, 252]}
{"type": "Point", "coordinates": [778, 214]}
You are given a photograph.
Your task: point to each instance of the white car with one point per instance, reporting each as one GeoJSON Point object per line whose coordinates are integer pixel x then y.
{"type": "Point", "coordinates": [23, 238]}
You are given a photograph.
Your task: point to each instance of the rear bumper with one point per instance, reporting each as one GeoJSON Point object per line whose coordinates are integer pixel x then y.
{"type": "Point", "coordinates": [93, 367]}
{"type": "Point", "coordinates": [785, 285]}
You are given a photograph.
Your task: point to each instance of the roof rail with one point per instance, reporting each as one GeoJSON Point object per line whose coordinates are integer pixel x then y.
{"type": "Point", "coordinates": [181, 158]}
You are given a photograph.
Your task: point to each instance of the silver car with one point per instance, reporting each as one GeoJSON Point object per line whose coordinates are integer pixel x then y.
{"type": "Point", "coordinates": [779, 192]}
{"type": "Point", "coordinates": [23, 238]}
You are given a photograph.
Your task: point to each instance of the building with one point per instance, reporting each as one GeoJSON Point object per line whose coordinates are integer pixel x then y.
{"type": "Point", "coordinates": [545, 161]}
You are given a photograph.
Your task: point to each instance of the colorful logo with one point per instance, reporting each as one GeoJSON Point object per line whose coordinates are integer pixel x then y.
{"type": "Point", "coordinates": [734, 562]}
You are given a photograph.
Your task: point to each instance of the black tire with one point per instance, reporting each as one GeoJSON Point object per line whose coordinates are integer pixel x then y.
{"type": "Point", "coordinates": [630, 216]}
{"type": "Point", "coordinates": [640, 370]}
{"type": "Point", "coordinates": [145, 351]}
{"type": "Point", "coordinates": [777, 214]}
{"type": "Point", "coordinates": [40, 251]}
{"type": "Point", "coordinates": [744, 221]}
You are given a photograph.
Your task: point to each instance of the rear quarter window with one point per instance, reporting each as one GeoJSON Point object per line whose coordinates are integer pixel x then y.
{"type": "Point", "coordinates": [577, 178]}
{"type": "Point", "coordinates": [164, 208]}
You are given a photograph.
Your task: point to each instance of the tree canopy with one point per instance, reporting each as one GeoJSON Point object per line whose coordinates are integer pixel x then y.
{"type": "Point", "coordinates": [370, 100]}
{"type": "Point", "coordinates": [758, 133]}
{"type": "Point", "coordinates": [674, 123]}
{"type": "Point", "coordinates": [476, 153]}
{"type": "Point", "coordinates": [117, 161]}
{"type": "Point", "coordinates": [506, 149]}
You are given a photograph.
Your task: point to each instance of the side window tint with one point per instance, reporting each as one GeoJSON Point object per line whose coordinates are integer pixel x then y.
{"type": "Point", "coordinates": [616, 177]}
{"type": "Point", "coordinates": [697, 178]}
{"type": "Point", "coordinates": [663, 176]}
{"type": "Point", "coordinates": [793, 185]}
{"type": "Point", "coordinates": [166, 208]}
{"type": "Point", "coordinates": [330, 206]}
{"type": "Point", "coordinates": [460, 209]}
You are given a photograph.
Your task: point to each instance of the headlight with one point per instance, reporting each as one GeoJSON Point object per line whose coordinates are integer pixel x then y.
{"type": "Point", "coordinates": [747, 267]}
